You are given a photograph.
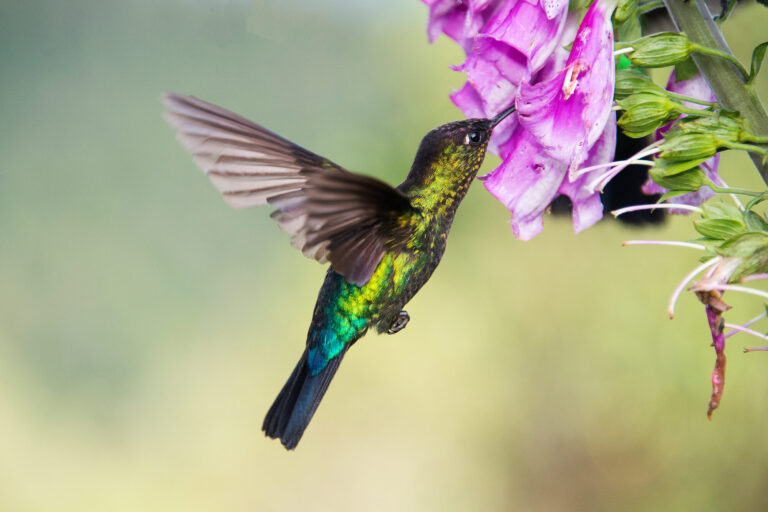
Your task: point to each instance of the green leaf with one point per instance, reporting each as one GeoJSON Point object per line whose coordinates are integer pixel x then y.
{"type": "Point", "coordinates": [719, 229]}
{"type": "Point", "coordinates": [727, 8]}
{"type": "Point", "coordinates": [628, 30]}
{"type": "Point", "coordinates": [685, 70]}
{"type": "Point", "coordinates": [758, 54]}
{"type": "Point", "coordinates": [757, 200]}
{"type": "Point", "coordinates": [755, 222]}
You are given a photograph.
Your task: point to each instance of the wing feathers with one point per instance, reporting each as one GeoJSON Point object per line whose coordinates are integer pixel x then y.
{"type": "Point", "coordinates": [331, 214]}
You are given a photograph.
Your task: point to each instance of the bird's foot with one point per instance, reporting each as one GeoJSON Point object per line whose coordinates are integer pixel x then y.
{"type": "Point", "coordinates": [400, 322]}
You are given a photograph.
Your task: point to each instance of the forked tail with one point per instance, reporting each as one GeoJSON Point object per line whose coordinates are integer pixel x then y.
{"type": "Point", "coordinates": [298, 400]}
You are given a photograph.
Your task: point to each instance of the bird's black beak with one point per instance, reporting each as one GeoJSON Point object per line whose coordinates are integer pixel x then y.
{"type": "Point", "coordinates": [500, 117]}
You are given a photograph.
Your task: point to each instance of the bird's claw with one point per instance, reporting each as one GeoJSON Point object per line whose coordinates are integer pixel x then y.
{"type": "Point", "coordinates": [400, 322]}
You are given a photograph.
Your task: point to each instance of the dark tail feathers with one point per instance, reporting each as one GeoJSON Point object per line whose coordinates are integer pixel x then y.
{"type": "Point", "coordinates": [298, 400]}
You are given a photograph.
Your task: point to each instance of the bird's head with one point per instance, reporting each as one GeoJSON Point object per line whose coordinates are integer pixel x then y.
{"type": "Point", "coordinates": [455, 150]}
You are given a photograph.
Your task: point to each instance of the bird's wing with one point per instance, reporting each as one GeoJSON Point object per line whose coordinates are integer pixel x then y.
{"type": "Point", "coordinates": [332, 214]}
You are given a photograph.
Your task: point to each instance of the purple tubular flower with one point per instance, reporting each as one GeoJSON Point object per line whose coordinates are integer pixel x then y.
{"type": "Point", "coordinates": [532, 29]}
{"type": "Point", "coordinates": [459, 20]}
{"type": "Point", "coordinates": [587, 208]}
{"type": "Point", "coordinates": [526, 182]}
{"type": "Point", "coordinates": [563, 122]}
{"type": "Point", "coordinates": [568, 112]}
{"type": "Point", "coordinates": [529, 179]}
{"type": "Point", "coordinates": [698, 88]}
{"type": "Point", "coordinates": [514, 53]}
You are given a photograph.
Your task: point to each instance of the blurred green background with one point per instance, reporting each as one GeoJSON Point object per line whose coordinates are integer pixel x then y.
{"type": "Point", "coordinates": [145, 327]}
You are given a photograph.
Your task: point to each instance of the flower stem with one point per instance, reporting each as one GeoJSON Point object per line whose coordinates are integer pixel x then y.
{"type": "Point", "coordinates": [728, 84]}
{"type": "Point", "coordinates": [757, 139]}
{"type": "Point", "coordinates": [727, 56]}
{"type": "Point", "coordinates": [650, 6]}
{"type": "Point", "coordinates": [729, 190]}
{"type": "Point", "coordinates": [746, 147]}
{"type": "Point", "coordinates": [697, 112]}
{"type": "Point", "coordinates": [689, 99]}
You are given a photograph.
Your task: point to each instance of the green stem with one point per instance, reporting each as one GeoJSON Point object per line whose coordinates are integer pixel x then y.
{"type": "Point", "coordinates": [693, 18]}
{"type": "Point", "coordinates": [757, 139]}
{"type": "Point", "coordinates": [723, 55]}
{"type": "Point", "coordinates": [744, 147]}
{"type": "Point", "coordinates": [683, 97]}
{"type": "Point", "coordinates": [730, 190]}
{"type": "Point", "coordinates": [650, 6]}
{"type": "Point", "coordinates": [697, 112]}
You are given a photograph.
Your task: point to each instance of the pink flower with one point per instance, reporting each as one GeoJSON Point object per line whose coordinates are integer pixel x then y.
{"type": "Point", "coordinates": [514, 53]}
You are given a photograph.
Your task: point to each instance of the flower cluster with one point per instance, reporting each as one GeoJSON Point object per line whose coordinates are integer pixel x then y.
{"type": "Point", "coordinates": [563, 139]}
{"type": "Point", "coordinates": [515, 52]}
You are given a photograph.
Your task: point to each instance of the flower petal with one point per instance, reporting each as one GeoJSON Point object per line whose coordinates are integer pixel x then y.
{"type": "Point", "coordinates": [528, 27]}
{"type": "Point", "coordinates": [587, 208]}
{"type": "Point", "coordinates": [495, 71]}
{"type": "Point", "coordinates": [526, 182]}
{"type": "Point", "coordinates": [568, 112]}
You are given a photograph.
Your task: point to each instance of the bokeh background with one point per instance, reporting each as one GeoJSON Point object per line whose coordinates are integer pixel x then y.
{"type": "Point", "coordinates": [145, 327]}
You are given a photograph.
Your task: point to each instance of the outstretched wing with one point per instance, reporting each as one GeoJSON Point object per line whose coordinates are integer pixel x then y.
{"type": "Point", "coordinates": [332, 214]}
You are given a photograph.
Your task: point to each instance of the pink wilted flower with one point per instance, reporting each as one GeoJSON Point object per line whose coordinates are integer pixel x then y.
{"type": "Point", "coordinates": [697, 88]}
{"type": "Point", "coordinates": [515, 53]}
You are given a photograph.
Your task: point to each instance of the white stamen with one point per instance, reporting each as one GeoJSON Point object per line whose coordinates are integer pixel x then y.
{"type": "Point", "coordinates": [616, 108]}
{"type": "Point", "coordinates": [585, 170]}
{"type": "Point", "coordinates": [753, 349]}
{"type": "Point", "coordinates": [664, 242]}
{"type": "Point", "coordinates": [623, 51]}
{"type": "Point", "coordinates": [737, 288]}
{"type": "Point", "coordinates": [638, 207]}
{"type": "Point", "coordinates": [687, 279]}
{"type": "Point", "coordinates": [746, 324]}
{"type": "Point", "coordinates": [753, 277]}
{"type": "Point", "coordinates": [603, 180]}
{"type": "Point", "coordinates": [740, 328]}
{"type": "Point", "coordinates": [615, 167]}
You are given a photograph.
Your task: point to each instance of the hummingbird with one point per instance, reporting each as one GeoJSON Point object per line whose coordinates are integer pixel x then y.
{"type": "Point", "coordinates": [383, 243]}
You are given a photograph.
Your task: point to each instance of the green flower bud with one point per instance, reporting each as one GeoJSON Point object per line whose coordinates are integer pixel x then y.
{"type": "Point", "coordinates": [645, 112]}
{"type": "Point", "coordinates": [688, 181]}
{"type": "Point", "coordinates": [659, 50]}
{"type": "Point", "coordinates": [722, 126]}
{"type": "Point", "coordinates": [625, 9]}
{"type": "Point", "coordinates": [689, 146]}
{"type": "Point", "coordinates": [631, 81]}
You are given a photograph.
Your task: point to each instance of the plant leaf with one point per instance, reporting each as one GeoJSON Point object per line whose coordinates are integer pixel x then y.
{"type": "Point", "coordinates": [685, 70]}
{"type": "Point", "coordinates": [727, 6]}
{"type": "Point", "coordinates": [758, 54]}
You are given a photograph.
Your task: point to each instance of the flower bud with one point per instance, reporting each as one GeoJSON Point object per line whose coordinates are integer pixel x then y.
{"type": "Point", "coordinates": [645, 112]}
{"type": "Point", "coordinates": [659, 50]}
{"type": "Point", "coordinates": [631, 81]}
{"type": "Point", "coordinates": [624, 10]}
{"type": "Point", "coordinates": [722, 126]}
{"type": "Point", "coordinates": [690, 146]}
{"type": "Point", "coordinates": [688, 181]}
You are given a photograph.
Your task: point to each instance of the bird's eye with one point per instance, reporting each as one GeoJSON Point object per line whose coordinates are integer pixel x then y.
{"type": "Point", "coordinates": [473, 138]}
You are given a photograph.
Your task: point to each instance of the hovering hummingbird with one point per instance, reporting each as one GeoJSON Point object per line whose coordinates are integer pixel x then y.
{"type": "Point", "coordinates": [383, 243]}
